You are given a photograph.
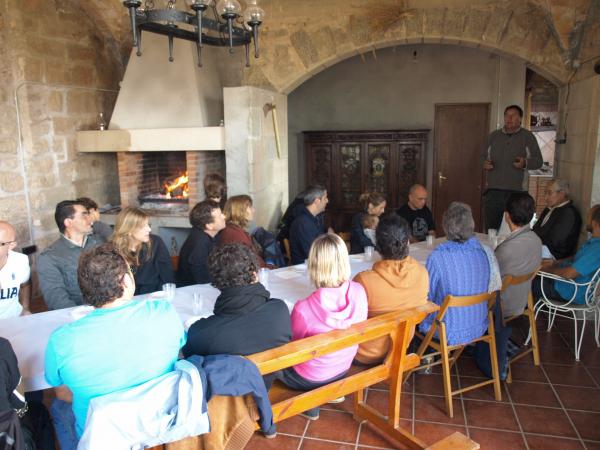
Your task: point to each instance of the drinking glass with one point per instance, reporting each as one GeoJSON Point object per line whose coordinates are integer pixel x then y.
{"type": "Point", "coordinates": [263, 277]}
{"type": "Point", "coordinates": [169, 289]}
{"type": "Point", "coordinates": [429, 240]}
{"type": "Point", "coordinates": [369, 253]}
{"type": "Point", "coordinates": [197, 303]}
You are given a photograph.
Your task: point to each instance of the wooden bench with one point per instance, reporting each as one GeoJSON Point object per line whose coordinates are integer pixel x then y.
{"type": "Point", "coordinates": [398, 326]}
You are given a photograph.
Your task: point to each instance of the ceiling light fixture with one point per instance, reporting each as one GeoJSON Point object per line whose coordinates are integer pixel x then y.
{"type": "Point", "coordinates": [228, 26]}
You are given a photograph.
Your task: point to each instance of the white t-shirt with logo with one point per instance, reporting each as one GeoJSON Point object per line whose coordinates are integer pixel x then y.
{"type": "Point", "coordinates": [15, 272]}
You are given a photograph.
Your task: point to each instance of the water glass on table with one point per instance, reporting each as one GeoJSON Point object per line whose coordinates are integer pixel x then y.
{"type": "Point", "coordinates": [429, 240]}
{"type": "Point", "coordinates": [263, 277]}
{"type": "Point", "coordinates": [369, 253]}
{"type": "Point", "coordinates": [197, 303]}
{"type": "Point", "coordinates": [169, 290]}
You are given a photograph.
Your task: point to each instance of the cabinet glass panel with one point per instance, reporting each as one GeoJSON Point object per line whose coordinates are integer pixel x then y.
{"type": "Point", "coordinates": [350, 174]}
{"type": "Point", "coordinates": [321, 165]}
{"type": "Point", "coordinates": [379, 168]}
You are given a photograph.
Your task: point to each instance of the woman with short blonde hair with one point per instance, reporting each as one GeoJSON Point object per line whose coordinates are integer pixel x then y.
{"type": "Point", "coordinates": [239, 212]}
{"type": "Point", "coordinates": [328, 262]}
{"type": "Point", "coordinates": [337, 304]}
{"type": "Point", "coordinates": [146, 253]}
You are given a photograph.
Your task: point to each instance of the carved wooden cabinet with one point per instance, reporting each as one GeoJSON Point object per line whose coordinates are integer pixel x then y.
{"type": "Point", "coordinates": [349, 163]}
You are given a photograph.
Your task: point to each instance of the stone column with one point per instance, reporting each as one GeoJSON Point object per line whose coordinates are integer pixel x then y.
{"type": "Point", "coordinates": [253, 166]}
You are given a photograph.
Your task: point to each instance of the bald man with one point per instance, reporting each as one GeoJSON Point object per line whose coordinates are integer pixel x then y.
{"type": "Point", "coordinates": [417, 214]}
{"type": "Point", "coordinates": [15, 289]}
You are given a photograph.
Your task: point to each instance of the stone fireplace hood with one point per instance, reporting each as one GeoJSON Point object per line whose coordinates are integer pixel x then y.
{"type": "Point", "coordinates": [162, 105]}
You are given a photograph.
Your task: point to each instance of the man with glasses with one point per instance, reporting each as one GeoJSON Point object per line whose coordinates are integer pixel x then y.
{"type": "Point", "coordinates": [57, 264]}
{"type": "Point", "coordinates": [15, 288]}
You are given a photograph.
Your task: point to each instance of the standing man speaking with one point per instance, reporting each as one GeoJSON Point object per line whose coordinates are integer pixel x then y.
{"type": "Point", "coordinates": [510, 152]}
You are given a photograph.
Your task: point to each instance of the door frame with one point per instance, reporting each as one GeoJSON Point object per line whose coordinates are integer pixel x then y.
{"type": "Point", "coordinates": [434, 180]}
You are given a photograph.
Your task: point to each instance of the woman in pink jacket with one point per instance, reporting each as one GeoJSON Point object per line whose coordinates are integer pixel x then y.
{"type": "Point", "coordinates": [337, 304]}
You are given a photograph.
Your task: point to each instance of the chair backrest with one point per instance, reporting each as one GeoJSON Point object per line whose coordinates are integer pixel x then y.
{"type": "Point", "coordinates": [512, 280]}
{"type": "Point", "coordinates": [592, 293]}
{"type": "Point", "coordinates": [455, 301]}
{"type": "Point", "coordinates": [345, 236]}
{"type": "Point", "coordinates": [286, 248]}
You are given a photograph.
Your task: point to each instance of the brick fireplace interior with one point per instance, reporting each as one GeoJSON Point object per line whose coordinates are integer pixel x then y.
{"type": "Point", "coordinates": [142, 175]}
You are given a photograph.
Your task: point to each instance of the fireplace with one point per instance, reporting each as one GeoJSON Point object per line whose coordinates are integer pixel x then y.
{"type": "Point", "coordinates": [168, 182]}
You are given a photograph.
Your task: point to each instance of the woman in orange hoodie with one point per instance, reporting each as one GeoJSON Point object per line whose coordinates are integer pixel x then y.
{"type": "Point", "coordinates": [396, 282]}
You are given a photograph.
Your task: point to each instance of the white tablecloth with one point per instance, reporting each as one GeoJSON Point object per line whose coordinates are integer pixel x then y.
{"type": "Point", "coordinates": [29, 334]}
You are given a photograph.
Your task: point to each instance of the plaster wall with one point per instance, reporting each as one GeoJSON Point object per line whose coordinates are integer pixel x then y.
{"type": "Point", "coordinates": [392, 90]}
{"type": "Point", "coordinates": [156, 93]}
{"type": "Point", "coordinates": [253, 166]}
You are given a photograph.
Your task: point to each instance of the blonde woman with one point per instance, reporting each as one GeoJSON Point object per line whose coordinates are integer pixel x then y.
{"type": "Point", "coordinates": [337, 304]}
{"type": "Point", "coordinates": [239, 212]}
{"type": "Point", "coordinates": [146, 253]}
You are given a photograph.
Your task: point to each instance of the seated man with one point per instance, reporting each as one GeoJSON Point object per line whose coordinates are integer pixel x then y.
{"type": "Point", "coordinates": [57, 264]}
{"type": "Point", "coordinates": [520, 253]}
{"type": "Point", "coordinates": [15, 288]}
{"type": "Point", "coordinates": [580, 268]}
{"type": "Point", "coordinates": [396, 282]}
{"type": "Point", "coordinates": [246, 320]}
{"type": "Point", "coordinates": [307, 225]}
{"type": "Point", "coordinates": [207, 220]}
{"type": "Point", "coordinates": [417, 214]}
{"type": "Point", "coordinates": [559, 225]}
{"type": "Point", "coordinates": [100, 229]}
{"type": "Point", "coordinates": [121, 344]}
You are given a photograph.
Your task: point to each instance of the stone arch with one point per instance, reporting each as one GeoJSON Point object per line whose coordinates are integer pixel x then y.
{"type": "Point", "coordinates": [297, 48]}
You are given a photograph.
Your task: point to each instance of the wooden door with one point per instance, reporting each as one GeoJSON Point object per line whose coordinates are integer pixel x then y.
{"type": "Point", "coordinates": [460, 132]}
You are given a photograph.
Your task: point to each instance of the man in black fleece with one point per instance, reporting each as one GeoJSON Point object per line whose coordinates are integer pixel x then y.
{"type": "Point", "coordinates": [246, 320]}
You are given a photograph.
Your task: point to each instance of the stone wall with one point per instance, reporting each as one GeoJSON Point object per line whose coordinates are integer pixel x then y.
{"type": "Point", "coordinates": [57, 74]}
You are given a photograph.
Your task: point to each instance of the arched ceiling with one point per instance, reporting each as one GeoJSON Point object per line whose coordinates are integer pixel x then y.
{"type": "Point", "coordinates": [567, 30]}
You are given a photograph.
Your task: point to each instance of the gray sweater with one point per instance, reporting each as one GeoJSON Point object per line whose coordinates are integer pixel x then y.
{"type": "Point", "coordinates": [502, 149]}
{"type": "Point", "coordinates": [57, 272]}
{"type": "Point", "coordinates": [519, 254]}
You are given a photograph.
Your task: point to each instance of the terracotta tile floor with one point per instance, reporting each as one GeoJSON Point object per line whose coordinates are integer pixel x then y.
{"type": "Point", "coordinates": [553, 406]}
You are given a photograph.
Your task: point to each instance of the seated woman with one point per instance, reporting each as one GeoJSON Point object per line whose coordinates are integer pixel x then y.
{"type": "Point", "coordinates": [337, 304]}
{"type": "Point", "coordinates": [560, 223]}
{"type": "Point", "coordinates": [239, 212]}
{"type": "Point", "coordinates": [372, 203]}
{"type": "Point", "coordinates": [461, 266]}
{"type": "Point", "coordinates": [146, 253]}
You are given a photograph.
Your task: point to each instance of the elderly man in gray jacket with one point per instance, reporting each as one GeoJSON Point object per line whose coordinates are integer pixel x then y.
{"type": "Point", "coordinates": [520, 253]}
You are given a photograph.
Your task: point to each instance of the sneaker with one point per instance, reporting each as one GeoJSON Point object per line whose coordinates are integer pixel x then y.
{"type": "Point", "coordinates": [271, 436]}
{"type": "Point", "coordinates": [337, 400]}
{"type": "Point", "coordinates": [310, 415]}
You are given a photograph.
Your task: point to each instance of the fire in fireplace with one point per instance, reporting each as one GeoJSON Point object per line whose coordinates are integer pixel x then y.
{"type": "Point", "coordinates": [164, 178]}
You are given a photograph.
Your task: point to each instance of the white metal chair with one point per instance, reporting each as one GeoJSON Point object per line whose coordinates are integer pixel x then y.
{"type": "Point", "coordinates": [571, 310]}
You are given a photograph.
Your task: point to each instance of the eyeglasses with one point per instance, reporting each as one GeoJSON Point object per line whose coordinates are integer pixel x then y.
{"type": "Point", "coordinates": [2, 244]}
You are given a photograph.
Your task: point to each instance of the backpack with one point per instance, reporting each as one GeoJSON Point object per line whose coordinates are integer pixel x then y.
{"type": "Point", "coordinates": [271, 251]}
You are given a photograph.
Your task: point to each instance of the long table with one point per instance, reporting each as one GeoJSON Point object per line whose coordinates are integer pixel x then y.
{"type": "Point", "coordinates": [29, 334]}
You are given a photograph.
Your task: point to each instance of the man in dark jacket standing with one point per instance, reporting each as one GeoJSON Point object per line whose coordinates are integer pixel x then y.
{"type": "Point", "coordinates": [246, 320]}
{"type": "Point", "coordinates": [510, 152]}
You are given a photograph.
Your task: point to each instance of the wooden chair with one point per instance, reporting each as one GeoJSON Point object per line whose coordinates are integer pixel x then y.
{"type": "Point", "coordinates": [450, 353]}
{"type": "Point", "coordinates": [510, 280]}
{"type": "Point", "coordinates": [345, 236]}
{"type": "Point", "coordinates": [287, 251]}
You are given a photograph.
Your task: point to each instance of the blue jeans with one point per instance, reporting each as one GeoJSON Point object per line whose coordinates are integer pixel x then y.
{"type": "Point", "coordinates": [64, 424]}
